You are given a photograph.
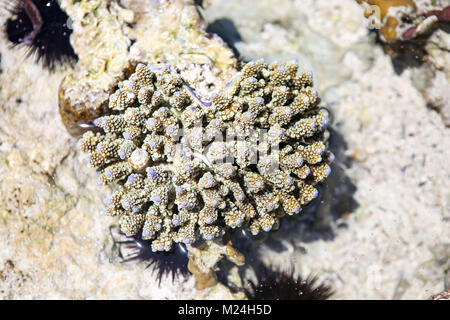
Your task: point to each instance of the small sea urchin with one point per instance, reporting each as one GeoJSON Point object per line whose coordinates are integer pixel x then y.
{"type": "Point", "coordinates": [42, 27]}
{"type": "Point", "coordinates": [173, 263]}
{"type": "Point", "coordinates": [283, 285]}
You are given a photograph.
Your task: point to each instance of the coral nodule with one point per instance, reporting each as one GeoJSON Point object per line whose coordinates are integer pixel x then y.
{"type": "Point", "coordinates": [189, 169]}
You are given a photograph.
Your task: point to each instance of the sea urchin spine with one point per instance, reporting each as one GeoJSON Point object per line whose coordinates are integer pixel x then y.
{"type": "Point", "coordinates": [41, 26]}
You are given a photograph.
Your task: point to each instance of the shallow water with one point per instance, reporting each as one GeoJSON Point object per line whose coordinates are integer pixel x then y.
{"type": "Point", "coordinates": [380, 228]}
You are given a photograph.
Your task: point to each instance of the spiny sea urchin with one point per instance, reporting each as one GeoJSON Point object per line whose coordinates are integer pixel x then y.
{"type": "Point", "coordinates": [283, 285]}
{"type": "Point", "coordinates": [41, 26]}
{"type": "Point", "coordinates": [172, 263]}
{"type": "Point", "coordinates": [189, 169]}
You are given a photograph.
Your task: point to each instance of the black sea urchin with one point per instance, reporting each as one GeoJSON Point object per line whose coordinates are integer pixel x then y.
{"type": "Point", "coordinates": [41, 26]}
{"type": "Point", "coordinates": [169, 263]}
{"type": "Point", "coordinates": [283, 285]}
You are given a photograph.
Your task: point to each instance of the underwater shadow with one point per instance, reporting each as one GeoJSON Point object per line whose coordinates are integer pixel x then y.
{"type": "Point", "coordinates": [226, 29]}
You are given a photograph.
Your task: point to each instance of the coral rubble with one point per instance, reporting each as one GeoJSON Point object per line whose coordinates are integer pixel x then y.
{"type": "Point", "coordinates": [203, 260]}
{"type": "Point", "coordinates": [401, 20]}
{"type": "Point", "coordinates": [180, 181]}
{"type": "Point", "coordinates": [444, 295]}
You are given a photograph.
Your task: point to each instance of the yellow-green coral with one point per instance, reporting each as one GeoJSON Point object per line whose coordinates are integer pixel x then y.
{"type": "Point", "coordinates": [190, 169]}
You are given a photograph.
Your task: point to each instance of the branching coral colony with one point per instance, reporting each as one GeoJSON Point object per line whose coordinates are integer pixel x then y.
{"type": "Point", "coordinates": [189, 169]}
